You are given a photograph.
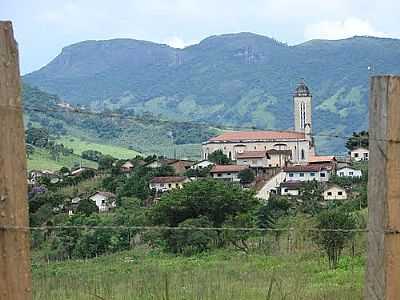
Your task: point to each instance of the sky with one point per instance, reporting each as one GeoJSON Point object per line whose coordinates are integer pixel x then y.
{"type": "Point", "coordinates": [43, 27]}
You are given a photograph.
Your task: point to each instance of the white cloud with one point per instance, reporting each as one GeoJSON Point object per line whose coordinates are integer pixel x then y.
{"type": "Point", "coordinates": [334, 30]}
{"type": "Point", "coordinates": [177, 42]}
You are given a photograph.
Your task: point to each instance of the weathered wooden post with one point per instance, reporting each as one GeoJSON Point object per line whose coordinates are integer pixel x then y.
{"type": "Point", "coordinates": [383, 268]}
{"type": "Point", "coordinates": [15, 267]}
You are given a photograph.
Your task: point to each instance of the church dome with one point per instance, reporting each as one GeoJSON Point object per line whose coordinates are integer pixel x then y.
{"type": "Point", "coordinates": [302, 90]}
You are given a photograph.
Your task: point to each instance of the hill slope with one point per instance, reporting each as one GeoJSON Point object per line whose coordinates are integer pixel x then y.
{"type": "Point", "coordinates": [117, 136]}
{"type": "Point", "coordinates": [240, 79]}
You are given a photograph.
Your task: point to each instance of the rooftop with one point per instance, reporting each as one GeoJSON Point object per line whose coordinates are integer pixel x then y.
{"type": "Point", "coordinates": [252, 154]}
{"type": "Point", "coordinates": [304, 168]}
{"type": "Point", "coordinates": [321, 159]}
{"type": "Point", "coordinates": [239, 136]}
{"type": "Point", "coordinates": [228, 168]}
{"type": "Point", "coordinates": [292, 184]}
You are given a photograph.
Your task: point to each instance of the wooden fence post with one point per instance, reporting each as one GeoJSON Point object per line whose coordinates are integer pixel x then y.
{"type": "Point", "coordinates": [15, 265]}
{"type": "Point", "coordinates": [383, 268]}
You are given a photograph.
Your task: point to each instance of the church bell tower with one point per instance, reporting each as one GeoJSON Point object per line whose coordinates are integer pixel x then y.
{"type": "Point", "coordinates": [302, 108]}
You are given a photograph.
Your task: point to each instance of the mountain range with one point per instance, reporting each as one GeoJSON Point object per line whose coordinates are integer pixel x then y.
{"type": "Point", "coordinates": [239, 79]}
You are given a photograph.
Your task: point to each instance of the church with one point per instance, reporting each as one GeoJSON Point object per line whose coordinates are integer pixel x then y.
{"type": "Point", "coordinates": [299, 142]}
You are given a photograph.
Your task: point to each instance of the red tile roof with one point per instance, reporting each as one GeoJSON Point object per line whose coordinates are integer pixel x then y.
{"type": "Point", "coordinates": [304, 168]}
{"type": "Point", "coordinates": [237, 136]}
{"type": "Point", "coordinates": [168, 179]}
{"type": "Point", "coordinates": [321, 159]}
{"type": "Point", "coordinates": [227, 168]}
{"type": "Point", "coordinates": [252, 154]}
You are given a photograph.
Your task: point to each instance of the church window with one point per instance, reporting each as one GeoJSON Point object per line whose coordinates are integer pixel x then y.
{"type": "Point", "coordinates": [230, 155]}
{"type": "Point", "coordinates": [302, 154]}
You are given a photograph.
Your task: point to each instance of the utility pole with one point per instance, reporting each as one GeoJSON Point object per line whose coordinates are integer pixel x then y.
{"type": "Point", "coordinates": [383, 268]}
{"type": "Point", "coordinates": [15, 264]}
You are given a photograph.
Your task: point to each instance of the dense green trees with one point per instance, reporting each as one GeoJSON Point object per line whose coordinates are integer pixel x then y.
{"type": "Point", "coordinates": [358, 139]}
{"type": "Point", "coordinates": [213, 201]}
{"type": "Point", "coordinates": [246, 176]}
{"type": "Point", "coordinates": [219, 158]}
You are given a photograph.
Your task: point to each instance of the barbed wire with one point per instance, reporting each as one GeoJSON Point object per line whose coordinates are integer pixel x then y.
{"type": "Point", "coordinates": [170, 228]}
{"type": "Point", "coordinates": [174, 122]}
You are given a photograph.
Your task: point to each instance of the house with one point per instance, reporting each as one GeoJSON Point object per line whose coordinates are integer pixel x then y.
{"type": "Point", "coordinates": [202, 164]}
{"type": "Point", "coordinates": [253, 159]}
{"type": "Point", "coordinates": [316, 172]}
{"type": "Point", "coordinates": [271, 186]}
{"type": "Point", "coordinates": [167, 183]}
{"type": "Point", "coordinates": [278, 158]}
{"type": "Point", "coordinates": [105, 201]}
{"type": "Point", "coordinates": [127, 167]}
{"type": "Point", "coordinates": [299, 141]}
{"type": "Point", "coordinates": [335, 192]}
{"type": "Point", "coordinates": [359, 154]}
{"type": "Point", "coordinates": [227, 172]}
{"type": "Point", "coordinates": [180, 166]}
{"type": "Point", "coordinates": [291, 188]}
{"type": "Point", "coordinates": [348, 172]}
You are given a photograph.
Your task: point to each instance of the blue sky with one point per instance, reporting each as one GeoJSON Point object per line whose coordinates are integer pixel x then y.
{"type": "Point", "coordinates": [44, 27]}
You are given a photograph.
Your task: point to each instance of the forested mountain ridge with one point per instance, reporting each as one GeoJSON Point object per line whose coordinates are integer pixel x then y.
{"type": "Point", "coordinates": [241, 79]}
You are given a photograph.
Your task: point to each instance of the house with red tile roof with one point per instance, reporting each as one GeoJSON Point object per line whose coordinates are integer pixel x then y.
{"type": "Point", "coordinates": [227, 172]}
{"type": "Point", "coordinates": [167, 183]}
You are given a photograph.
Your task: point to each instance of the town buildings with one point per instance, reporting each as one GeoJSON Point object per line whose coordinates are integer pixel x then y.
{"type": "Point", "coordinates": [167, 183]}
{"type": "Point", "coordinates": [298, 141]}
{"type": "Point", "coordinates": [359, 154]}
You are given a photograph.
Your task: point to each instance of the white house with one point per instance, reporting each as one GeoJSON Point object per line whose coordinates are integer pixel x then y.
{"type": "Point", "coordinates": [104, 201]}
{"type": "Point", "coordinates": [202, 164]}
{"type": "Point", "coordinates": [348, 172]}
{"type": "Point", "coordinates": [253, 159]}
{"type": "Point", "coordinates": [335, 192]}
{"type": "Point", "coordinates": [291, 188]}
{"type": "Point", "coordinates": [316, 172]}
{"type": "Point", "coordinates": [167, 183]}
{"type": "Point", "coordinates": [227, 172]}
{"type": "Point", "coordinates": [359, 154]}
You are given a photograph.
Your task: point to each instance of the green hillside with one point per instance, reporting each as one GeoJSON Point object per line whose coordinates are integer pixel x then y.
{"type": "Point", "coordinates": [122, 137]}
{"type": "Point", "coordinates": [41, 159]}
{"type": "Point", "coordinates": [240, 79]}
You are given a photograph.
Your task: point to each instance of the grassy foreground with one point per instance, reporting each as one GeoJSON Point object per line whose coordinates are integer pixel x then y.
{"type": "Point", "coordinates": [222, 274]}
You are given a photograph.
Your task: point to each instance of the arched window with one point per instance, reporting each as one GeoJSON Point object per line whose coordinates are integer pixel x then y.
{"type": "Point", "coordinates": [230, 155]}
{"type": "Point", "coordinates": [302, 154]}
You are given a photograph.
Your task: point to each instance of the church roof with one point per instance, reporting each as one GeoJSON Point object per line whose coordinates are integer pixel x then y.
{"type": "Point", "coordinates": [302, 90]}
{"type": "Point", "coordinates": [239, 136]}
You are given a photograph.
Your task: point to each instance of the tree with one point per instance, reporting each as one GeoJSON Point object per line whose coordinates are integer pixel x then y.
{"type": "Point", "coordinates": [311, 197]}
{"type": "Point", "coordinates": [87, 207]}
{"type": "Point", "coordinates": [358, 139]}
{"type": "Point", "coordinates": [38, 137]}
{"type": "Point", "coordinates": [219, 158]}
{"type": "Point", "coordinates": [92, 155]}
{"type": "Point", "coordinates": [246, 176]}
{"type": "Point", "coordinates": [106, 162]}
{"type": "Point", "coordinates": [191, 241]}
{"type": "Point", "coordinates": [216, 201]}
{"type": "Point", "coordinates": [335, 227]}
